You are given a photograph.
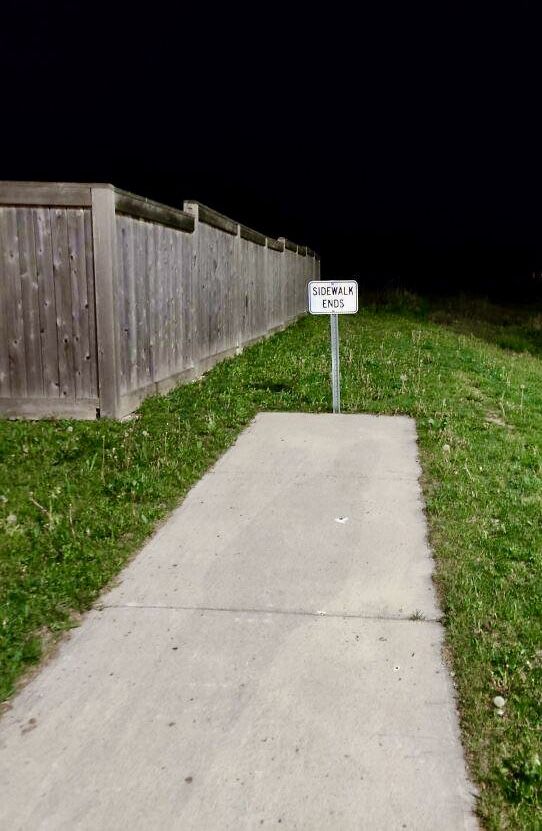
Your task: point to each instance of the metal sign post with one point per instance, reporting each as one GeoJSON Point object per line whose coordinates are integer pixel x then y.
{"type": "Point", "coordinates": [334, 298]}
{"type": "Point", "coordinates": [335, 365]}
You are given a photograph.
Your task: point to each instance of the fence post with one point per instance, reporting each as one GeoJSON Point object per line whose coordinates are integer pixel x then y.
{"type": "Point", "coordinates": [105, 279]}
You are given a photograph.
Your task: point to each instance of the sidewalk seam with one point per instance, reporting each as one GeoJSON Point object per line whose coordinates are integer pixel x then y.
{"type": "Point", "coordinates": [299, 612]}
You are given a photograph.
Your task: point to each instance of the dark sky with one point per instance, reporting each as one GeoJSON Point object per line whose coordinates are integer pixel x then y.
{"type": "Point", "coordinates": [400, 141]}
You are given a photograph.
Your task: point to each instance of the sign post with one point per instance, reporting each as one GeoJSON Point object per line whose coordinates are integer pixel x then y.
{"type": "Point", "coordinates": [334, 297]}
{"type": "Point", "coordinates": [335, 365]}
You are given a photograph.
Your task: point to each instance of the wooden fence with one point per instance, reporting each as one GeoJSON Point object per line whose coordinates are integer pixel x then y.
{"type": "Point", "coordinates": [106, 297]}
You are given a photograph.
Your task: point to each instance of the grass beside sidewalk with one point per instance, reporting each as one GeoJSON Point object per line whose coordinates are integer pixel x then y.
{"type": "Point", "coordinates": [77, 498]}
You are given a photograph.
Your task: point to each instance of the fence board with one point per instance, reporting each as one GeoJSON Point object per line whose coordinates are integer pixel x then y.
{"type": "Point", "coordinates": [61, 273]}
{"type": "Point", "coordinates": [162, 268]}
{"type": "Point", "coordinates": [168, 320]}
{"type": "Point", "coordinates": [106, 277]}
{"type": "Point", "coordinates": [13, 305]}
{"type": "Point", "coordinates": [5, 387]}
{"type": "Point", "coordinates": [46, 295]}
{"type": "Point", "coordinates": [16, 341]}
{"type": "Point", "coordinates": [213, 295]}
{"type": "Point", "coordinates": [142, 300]}
{"type": "Point", "coordinates": [150, 269]}
{"type": "Point", "coordinates": [244, 286]}
{"type": "Point", "coordinates": [83, 347]}
{"type": "Point", "coordinates": [177, 301]}
{"type": "Point", "coordinates": [171, 302]}
{"type": "Point", "coordinates": [188, 300]}
{"type": "Point", "coordinates": [131, 303]}
{"type": "Point", "coordinates": [159, 311]}
{"type": "Point", "coordinates": [226, 259]}
{"type": "Point", "coordinates": [120, 303]}
{"type": "Point", "coordinates": [204, 286]}
{"type": "Point", "coordinates": [92, 345]}
{"type": "Point", "coordinates": [30, 302]}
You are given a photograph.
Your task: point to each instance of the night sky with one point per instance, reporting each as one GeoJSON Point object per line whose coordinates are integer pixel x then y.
{"type": "Point", "coordinates": [401, 142]}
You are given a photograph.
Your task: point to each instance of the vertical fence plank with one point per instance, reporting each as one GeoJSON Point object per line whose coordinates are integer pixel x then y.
{"type": "Point", "coordinates": [46, 294]}
{"type": "Point", "coordinates": [243, 287]}
{"type": "Point", "coordinates": [220, 291]}
{"type": "Point", "coordinates": [138, 306]}
{"type": "Point", "coordinates": [92, 356]}
{"type": "Point", "coordinates": [268, 287]}
{"type": "Point", "coordinates": [5, 387]}
{"type": "Point", "coordinates": [178, 301]}
{"type": "Point", "coordinates": [129, 283]}
{"type": "Point", "coordinates": [167, 317]}
{"type": "Point", "coordinates": [122, 313]}
{"type": "Point", "coordinates": [188, 301]}
{"type": "Point", "coordinates": [213, 297]}
{"type": "Point", "coordinates": [259, 253]}
{"type": "Point", "coordinates": [59, 235]}
{"type": "Point", "coordinates": [15, 321]}
{"type": "Point", "coordinates": [162, 277]}
{"type": "Point", "coordinates": [237, 293]}
{"type": "Point", "coordinates": [105, 273]}
{"type": "Point", "coordinates": [203, 290]}
{"type": "Point", "coordinates": [194, 295]}
{"type": "Point", "coordinates": [30, 302]}
{"type": "Point", "coordinates": [150, 268]}
{"type": "Point", "coordinates": [158, 291]}
{"type": "Point", "coordinates": [82, 351]}
{"type": "Point", "coordinates": [229, 282]}
{"type": "Point", "coordinates": [171, 301]}
{"type": "Point", "coordinates": [142, 299]}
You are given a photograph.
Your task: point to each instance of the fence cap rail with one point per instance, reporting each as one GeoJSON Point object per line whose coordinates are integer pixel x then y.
{"type": "Point", "coordinates": [288, 245]}
{"type": "Point", "coordinates": [49, 194]}
{"type": "Point", "coordinates": [275, 244]}
{"type": "Point", "coordinates": [252, 236]}
{"type": "Point", "coordinates": [211, 217]}
{"type": "Point", "coordinates": [79, 194]}
{"type": "Point", "coordinates": [148, 209]}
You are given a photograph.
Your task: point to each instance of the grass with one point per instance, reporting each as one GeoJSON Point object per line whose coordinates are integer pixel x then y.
{"type": "Point", "coordinates": [76, 499]}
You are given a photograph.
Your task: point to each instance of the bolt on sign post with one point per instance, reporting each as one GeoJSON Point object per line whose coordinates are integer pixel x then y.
{"type": "Point", "coordinates": [334, 298]}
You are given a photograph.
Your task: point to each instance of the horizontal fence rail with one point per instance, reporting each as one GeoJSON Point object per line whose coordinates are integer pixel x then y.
{"type": "Point", "coordinates": [107, 297]}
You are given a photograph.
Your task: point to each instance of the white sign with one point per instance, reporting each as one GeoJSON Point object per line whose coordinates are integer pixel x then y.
{"type": "Point", "coordinates": [333, 297]}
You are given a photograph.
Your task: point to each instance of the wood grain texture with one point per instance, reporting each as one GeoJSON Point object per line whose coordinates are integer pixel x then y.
{"type": "Point", "coordinates": [105, 271]}
{"type": "Point", "coordinates": [47, 302]}
{"type": "Point", "coordinates": [30, 302]}
{"type": "Point", "coordinates": [187, 243]}
{"type": "Point", "coordinates": [136, 206]}
{"type": "Point", "coordinates": [83, 349]}
{"type": "Point", "coordinates": [14, 305]}
{"type": "Point", "coordinates": [61, 273]}
{"type": "Point", "coordinates": [113, 296]}
{"type": "Point", "coordinates": [142, 303]}
{"type": "Point", "coordinates": [45, 194]}
{"type": "Point", "coordinates": [150, 268]}
{"type": "Point", "coordinates": [210, 217]}
{"type": "Point", "coordinates": [253, 236]}
{"type": "Point", "coordinates": [5, 387]}
{"type": "Point", "coordinates": [91, 295]}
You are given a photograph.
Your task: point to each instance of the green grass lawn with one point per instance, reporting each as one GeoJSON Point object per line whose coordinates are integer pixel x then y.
{"type": "Point", "coordinates": [76, 499]}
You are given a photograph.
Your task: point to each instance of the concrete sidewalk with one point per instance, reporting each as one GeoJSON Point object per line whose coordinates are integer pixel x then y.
{"type": "Point", "coordinates": [257, 664]}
